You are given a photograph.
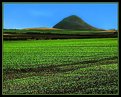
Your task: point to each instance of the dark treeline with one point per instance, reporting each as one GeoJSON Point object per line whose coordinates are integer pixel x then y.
{"type": "Point", "coordinates": [55, 36]}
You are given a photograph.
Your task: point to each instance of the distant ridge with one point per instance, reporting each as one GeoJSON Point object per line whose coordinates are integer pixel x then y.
{"type": "Point", "coordinates": [74, 22]}
{"type": "Point", "coordinates": [44, 28]}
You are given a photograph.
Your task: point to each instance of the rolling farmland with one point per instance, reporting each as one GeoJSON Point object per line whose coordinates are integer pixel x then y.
{"type": "Point", "coordinates": [68, 66]}
{"type": "Point", "coordinates": [49, 33]}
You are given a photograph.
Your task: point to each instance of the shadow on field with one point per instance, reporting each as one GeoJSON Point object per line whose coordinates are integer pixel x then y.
{"type": "Point", "coordinates": [40, 71]}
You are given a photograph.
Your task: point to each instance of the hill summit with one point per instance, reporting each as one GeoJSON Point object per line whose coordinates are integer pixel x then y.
{"type": "Point", "coordinates": [74, 22]}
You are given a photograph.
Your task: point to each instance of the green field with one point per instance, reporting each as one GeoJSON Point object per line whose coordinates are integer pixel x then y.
{"type": "Point", "coordinates": [68, 66]}
{"type": "Point", "coordinates": [60, 31]}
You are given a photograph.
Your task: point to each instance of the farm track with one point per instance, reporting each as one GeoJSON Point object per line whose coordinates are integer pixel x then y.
{"type": "Point", "coordinates": [51, 70]}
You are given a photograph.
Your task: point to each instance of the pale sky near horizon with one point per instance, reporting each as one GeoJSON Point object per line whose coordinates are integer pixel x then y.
{"type": "Point", "coordinates": [28, 15]}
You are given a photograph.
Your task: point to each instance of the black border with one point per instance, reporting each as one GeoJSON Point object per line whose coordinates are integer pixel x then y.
{"type": "Point", "coordinates": [57, 1]}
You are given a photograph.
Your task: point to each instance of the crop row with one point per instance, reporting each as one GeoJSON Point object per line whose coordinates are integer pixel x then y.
{"type": "Point", "coordinates": [27, 55]}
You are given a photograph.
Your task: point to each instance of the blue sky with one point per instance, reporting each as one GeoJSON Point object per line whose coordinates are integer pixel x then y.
{"type": "Point", "coordinates": [28, 15]}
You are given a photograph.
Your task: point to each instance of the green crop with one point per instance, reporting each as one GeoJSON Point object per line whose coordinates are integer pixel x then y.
{"type": "Point", "coordinates": [29, 54]}
{"type": "Point", "coordinates": [68, 66]}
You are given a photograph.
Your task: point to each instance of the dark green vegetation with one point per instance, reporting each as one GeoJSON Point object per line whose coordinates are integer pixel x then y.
{"type": "Point", "coordinates": [73, 66]}
{"type": "Point", "coordinates": [75, 23]}
{"type": "Point", "coordinates": [23, 34]}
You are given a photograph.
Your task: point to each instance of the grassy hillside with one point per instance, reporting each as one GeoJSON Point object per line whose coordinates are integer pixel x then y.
{"type": "Point", "coordinates": [75, 23]}
{"type": "Point", "coordinates": [73, 66]}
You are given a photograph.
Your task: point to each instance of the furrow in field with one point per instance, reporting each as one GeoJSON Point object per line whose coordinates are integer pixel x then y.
{"type": "Point", "coordinates": [49, 70]}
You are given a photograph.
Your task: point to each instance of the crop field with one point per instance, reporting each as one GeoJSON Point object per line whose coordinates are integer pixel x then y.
{"type": "Point", "coordinates": [67, 66]}
{"type": "Point", "coordinates": [58, 31]}
{"type": "Point", "coordinates": [52, 33]}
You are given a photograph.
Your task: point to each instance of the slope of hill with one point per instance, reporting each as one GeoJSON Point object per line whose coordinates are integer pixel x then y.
{"type": "Point", "coordinates": [41, 29]}
{"type": "Point", "coordinates": [75, 23]}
